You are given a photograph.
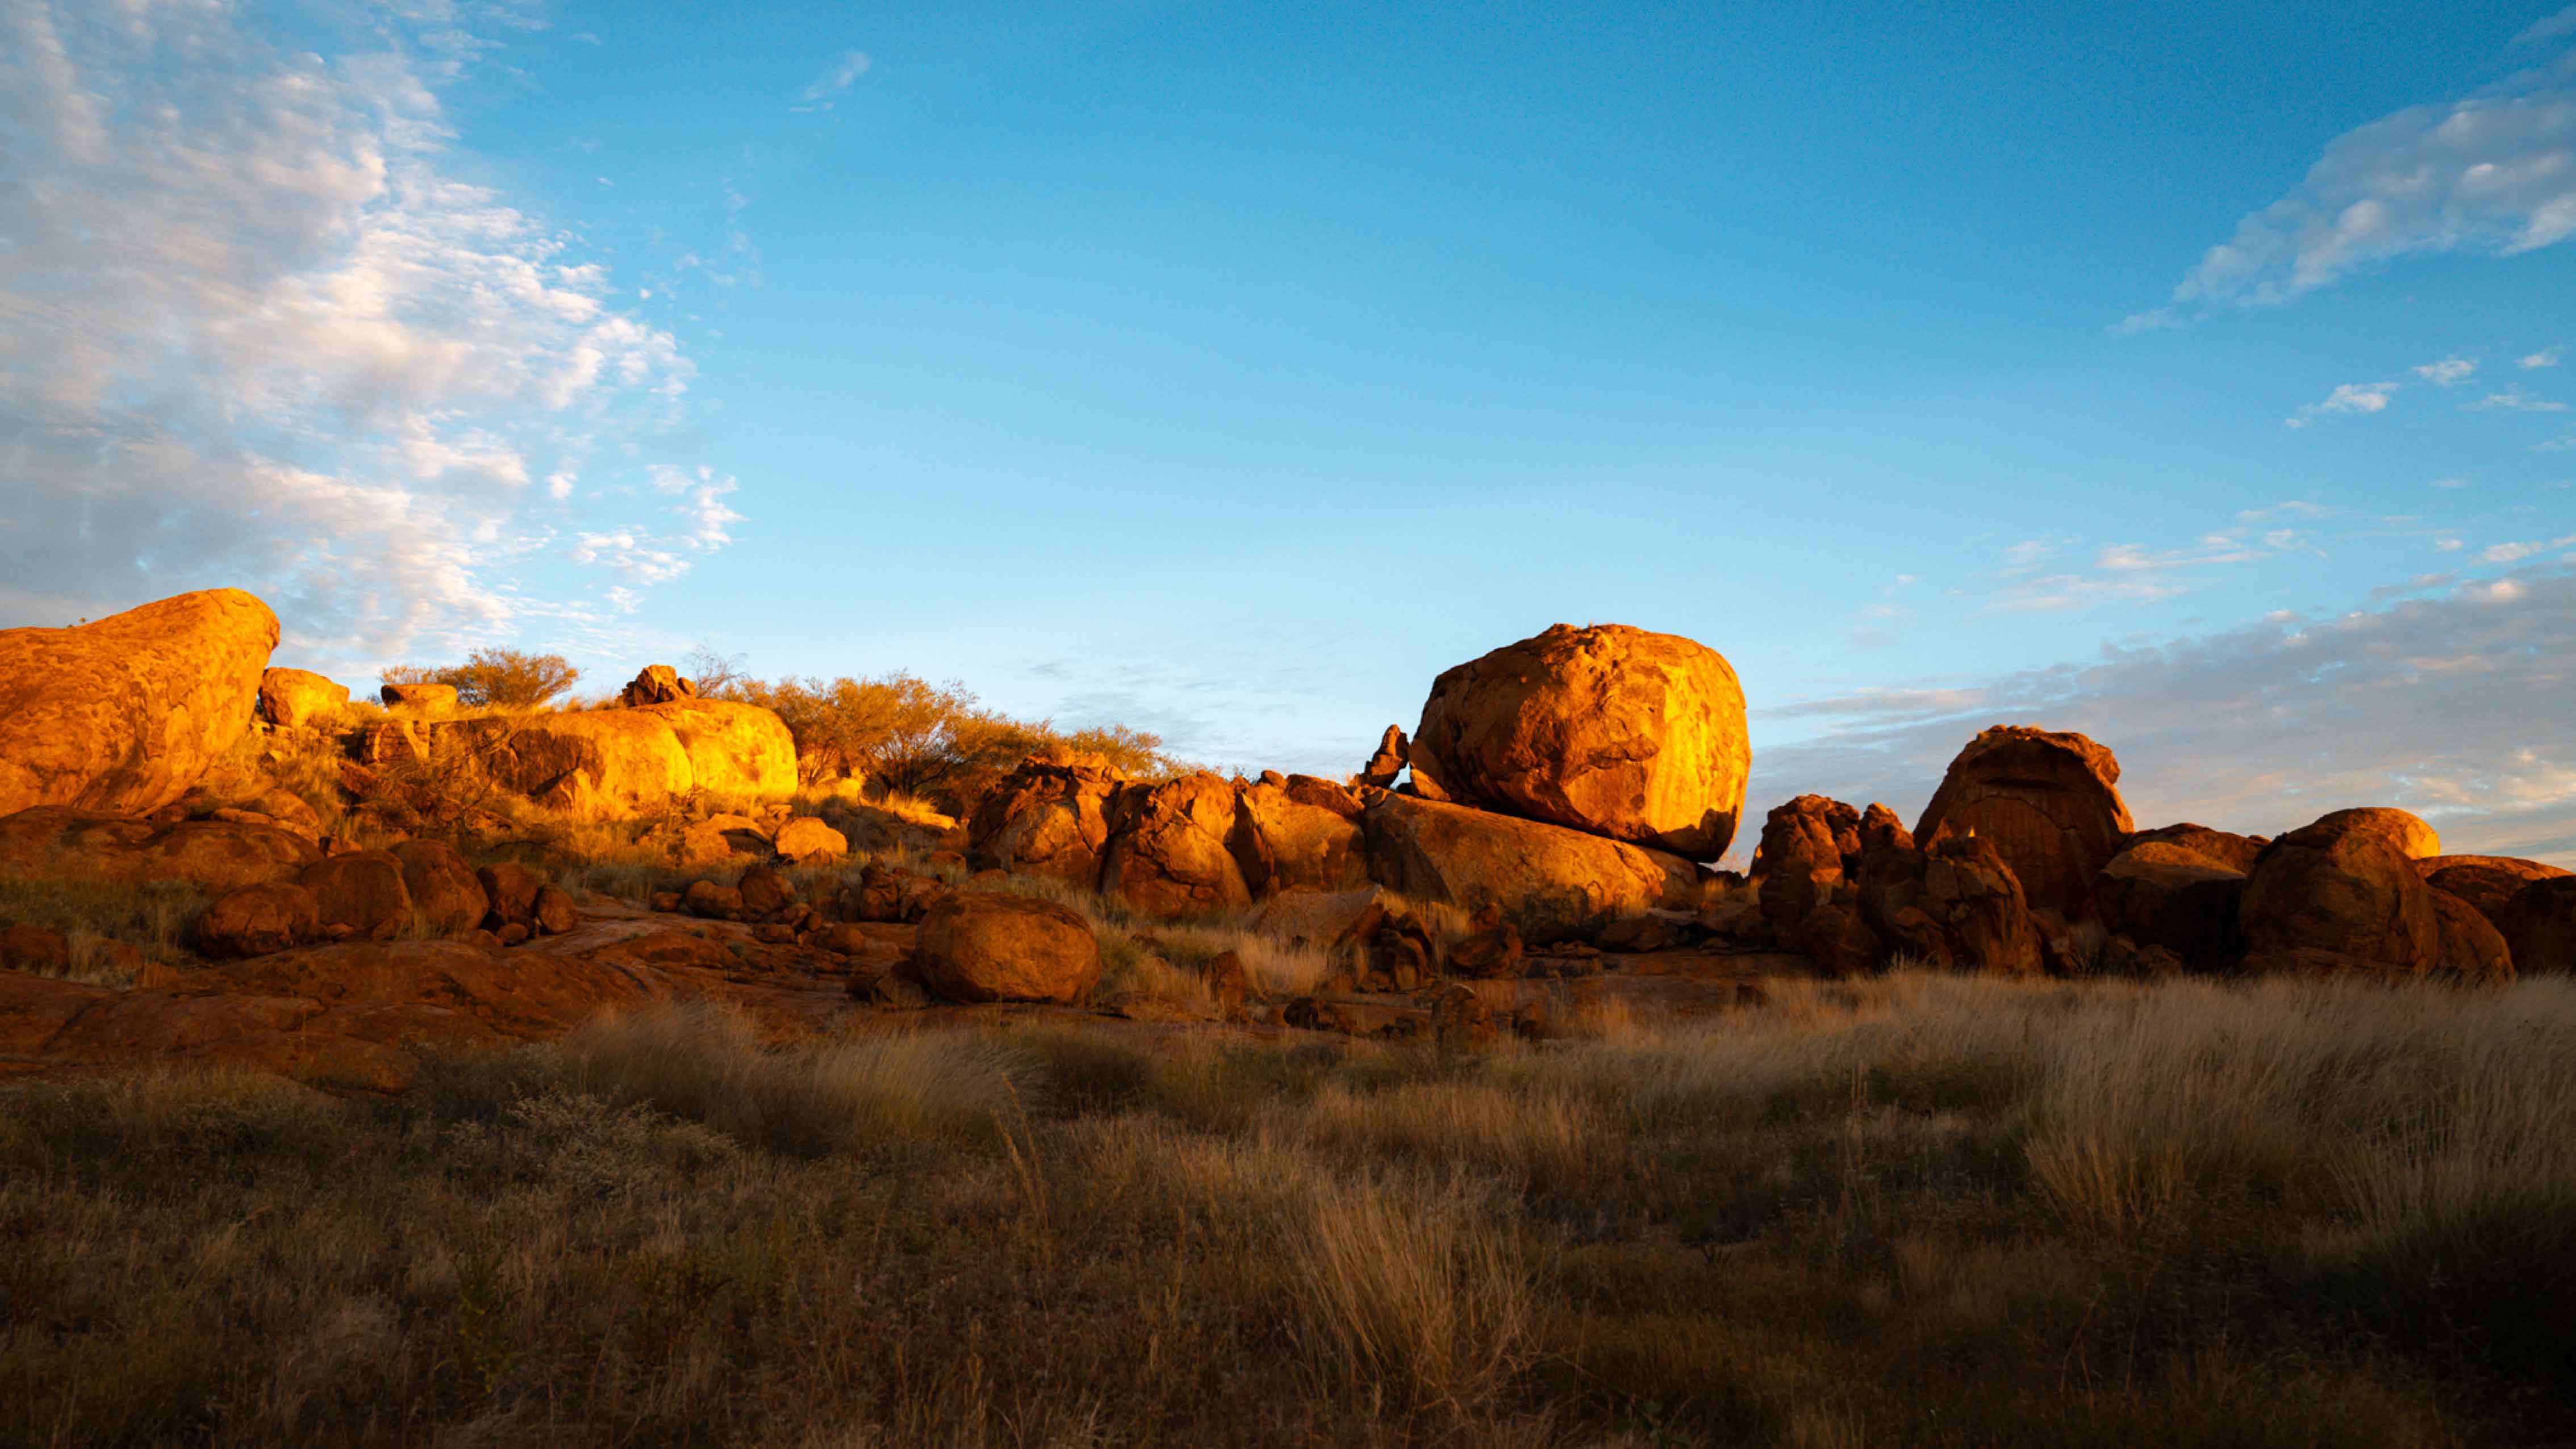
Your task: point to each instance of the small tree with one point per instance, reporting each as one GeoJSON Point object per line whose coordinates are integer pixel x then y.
{"type": "Point", "coordinates": [496, 678]}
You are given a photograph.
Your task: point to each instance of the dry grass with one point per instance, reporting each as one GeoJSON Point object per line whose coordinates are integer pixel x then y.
{"type": "Point", "coordinates": [1912, 1210]}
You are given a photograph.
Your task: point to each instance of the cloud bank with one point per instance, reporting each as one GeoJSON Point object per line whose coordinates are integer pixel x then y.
{"type": "Point", "coordinates": [2453, 706]}
{"type": "Point", "coordinates": [2493, 173]}
{"type": "Point", "coordinates": [252, 332]}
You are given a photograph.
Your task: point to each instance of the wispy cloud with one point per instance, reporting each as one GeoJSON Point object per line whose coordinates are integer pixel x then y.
{"type": "Point", "coordinates": [2449, 372]}
{"type": "Point", "coordinates": [2513, 400]}
{"type": "Point", "coordinates": [2547, 357]}
{"type": "Point", "coordinates": [253, 331]}
{"type": "Point", "coordinates": [826, 93]}
{"type": "Point", "coordinates": [2347, 398]}
{"type": "Point", "coordinates": [2489, 173]}
{"type": "Point", "coordinates": [2135, 573]}
{"type": "Point", "coordinates": [2267, 726]}
{"type": "Point", "coordinates": [2549, 28]}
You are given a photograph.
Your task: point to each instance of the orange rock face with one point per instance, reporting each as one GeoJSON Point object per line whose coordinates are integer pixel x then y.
{"type": "Point", "coordinates": [2048, 803]}
{"type": "Point", "coordinates": [2484, 881]}
{"type": "Point", "coordinates": [2402, 832]}
{"type": "Point", "coordinates": [610, 764]}
{"type": "Point", "coordinates": [1300, 834]}
{"type": "Point", "coordinates": [1049, 816]}
{"type": "Point", "coordinates": [216, 855]}
{"type": "Point", "coordinates": [126, 713]}
{"type": "Point", "coordinates": [1609, 730]}
{"type": "Point", "coordinates": [299, 698]}
{"type": "Point", "coordinates": [1555, 884]}
{"type": "Point", "coordinates": [1167, 847]}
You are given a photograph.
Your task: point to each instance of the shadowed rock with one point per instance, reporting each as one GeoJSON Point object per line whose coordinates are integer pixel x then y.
{"type": "Point", "coordinates": [1553, 883]}
{"type": "Point", "coordinates": [1167, 847]}
{"type": "Point", "coordinates": [2048, 803]}
{"type": "Point", "coordinates": [52, 842]}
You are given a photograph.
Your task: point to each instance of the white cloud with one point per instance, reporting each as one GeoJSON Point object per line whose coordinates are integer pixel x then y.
{"type": "Point", "coordinates": [2547, 357]}
{"type": "Point", "coordinates": [2549, 28]}
{"type": "Point", "coordinates": [2493, 173]}
{"type": "Point", "coordinates": [2449, 372]}
{"type": "Point", "coordinates": [2134, 573]}
{"type": "Point", "coordinates": [253, 331]}
{"type": "Point", "coordinates": [823, 94]}
{"type": "Point", "coordinates": [2265, 727]}
{"type": "Point", "coordinates": [2450, 482]}
{"type": "Point", "coordinates": [2348, 398]}
{"type": "Point", "coordinates": [2513, 400]}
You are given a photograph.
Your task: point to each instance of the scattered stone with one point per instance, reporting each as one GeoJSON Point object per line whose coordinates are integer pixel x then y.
{"type": "Point", "coordinates": [764, 892]}
{"type": "Point", "coordinates": [980, 946]}
{"type": "Point", "coordinates": [258, 920]}
{"type": "Point", "coordinates": [808, 841]}
{"type": "Point", "coordinates": [1610, 730]}
{"type": "Point", "coordinates": [1491, 950]}
{"type": "Point", "coordinates": [721, 837]}
{"type": "Point", "coordinates": [554, 913]}
{"type": "Point", "coordinates": [1313, 1013]}
{"type": "Point", "coordinates": [516, 932]}
{"type": "Point", "coordinates": [1459, 1018]}
{"type": "Point", "coordinates": [1229, 985]}
{"type": "Point", "coordinates": [891, 992]}
{"type": "Point", "coordinates": [774, 934]}
{"type": "Point", "coordinates": [2048, 803]}
{"type": "Point", "coordinates": [665, 901]}
{"type": "Point", "coordinates": [709, 901]}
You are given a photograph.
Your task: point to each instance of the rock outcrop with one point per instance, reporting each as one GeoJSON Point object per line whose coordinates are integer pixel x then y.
{"type": "Point", "coordinates": [424, 700]}
{"type": "Point", "coordinates": [1799, 864]}
{"type": "Point", "coordinates": [360, 895]}
{"type": "Point", "coordinates": [2539, 926]}
{"type": "Point", "coordinates": [2471, 948]}
{"type": "Point", "coordinates": [1614, 731]}
{"type": "Point", "coordinates": [1553, 883]}
{"type": "Point", "coordinates": [294, 699]}
{"type": "Point", "coordinates": [656, 684]}
{"type": "Point", "coordinates": [2049, 804]}
{"type": "Point", "coordinates": [2159, 892]}
{"type": "Point", "coordinates": [2340, 891]}
{"type": "Point", "coordinates": [1298, 833]}
{"type": "Point", "coordinates": [443, 888]}
{"type": "Point", "coordinates": [257, 920]}
{"type": "Point", "coordinates": [806, 840]}
{"type": "Point", "coordinates": [1393, 752]}
{"type": "Point", "coordinates": [55, 843]}
{"type": "Point", "coordinates": [124, 714]}
{"type": "Point", "coordinates": [2225, 848]}
{"type": "Point", "coordinates": [1167, 847]}
{"type": "Point", "coordinates": [1050, 816]}
{"type": "Point", "coordinates": [2487, 882]}
{"type": "Point", "coordinates": [981, 946]}
{"type": "Point", "coordinates": [614, 763]}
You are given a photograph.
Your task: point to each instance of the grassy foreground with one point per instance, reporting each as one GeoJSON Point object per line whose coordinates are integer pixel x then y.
{"type": "Point", "coordinates": [1916, 1210]}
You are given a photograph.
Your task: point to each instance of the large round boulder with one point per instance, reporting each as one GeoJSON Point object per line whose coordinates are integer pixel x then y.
{"type": "Point", "coordinates": [2404, 833]}
{"type": "Point", "coordinates": [994, 946]}
{"type": "Point", "coordinates": [258, 920]}
{"type": "Point", "coordinates": [808, 841]}
{"type": "Point", "coordinates": [1554, 884]}
{"type": "Point", "coordinates": [2224, 848]}
{"type": "Point", "coordinates": [1605, 729]}
{"type": "Point", "coordinates": [126, 713]}
{"type": "Point", "coordinates": [1167, 847]}
{"type": "Point", "coordinates": [445, 892]}
{"type": "Point", "coordinates": [2471, 947]}
{"type": "Point", "coordinates": [361, 893]}
{"type": "Point", "coordinates": [2327, 888]}
{"type": "Point", "coordinates": [293, 699]}
{"type": "Point", "coordinates": [2048, 802]}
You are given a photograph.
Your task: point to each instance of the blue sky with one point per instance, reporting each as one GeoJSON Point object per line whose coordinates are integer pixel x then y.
{"type": "Point", "coordinates": [2196, 375]}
